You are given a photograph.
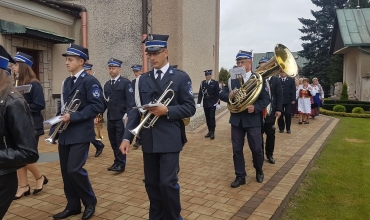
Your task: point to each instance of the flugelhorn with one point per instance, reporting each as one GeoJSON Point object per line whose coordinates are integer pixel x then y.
{"type": "Point", "coordinates": [61, 126]}
{"type": "Point", "coordinates": [149, 121]}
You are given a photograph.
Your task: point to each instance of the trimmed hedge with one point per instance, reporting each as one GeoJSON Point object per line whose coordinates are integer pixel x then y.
{"type": "Point", "coordinates": [343, 114]}
{"type": "Point", "coordinates": [333, 101]}
{"type": "Point", "coordinates": [348, 107]}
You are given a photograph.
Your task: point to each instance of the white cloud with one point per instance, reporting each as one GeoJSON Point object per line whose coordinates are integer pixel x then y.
{"type": "Point", "coordinates": [259, 25]}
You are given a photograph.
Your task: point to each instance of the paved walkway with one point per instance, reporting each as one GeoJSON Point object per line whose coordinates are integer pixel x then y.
{"type": "Point", "coordinates": [205, 177]}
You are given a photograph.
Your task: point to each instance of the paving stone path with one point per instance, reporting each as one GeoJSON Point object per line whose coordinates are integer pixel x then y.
{"type": "Point", "coordinates": [206, 173]}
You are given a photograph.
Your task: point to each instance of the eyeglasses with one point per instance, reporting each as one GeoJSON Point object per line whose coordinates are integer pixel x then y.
{"type": "Point", "coordinates": [154, 54]}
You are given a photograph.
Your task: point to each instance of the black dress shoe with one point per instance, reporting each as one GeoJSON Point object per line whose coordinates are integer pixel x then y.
{"type": "Point", "coordinates": [259, 176]}
{"type": "Point", "coordinates": [212, 135]}
{"type": "Point", "coordinates": [118, 168]}
{"type": "Point", "coordinates": [99, 152]}
{"type": "Point", "coordinates": [111, 167]}
{"type": "Point", "coordinates": [44, 183]}
{"type": "Point", "coordinates": [144, 180]}
{"type": "Point", "coordinates": [66, 213]}
{"type": "Point", "coordinates": [208, 135]}
{"type": "Point", "coordinates": [237, 182]}
{"type": "Point", "coordinates": [89, 212]}
{"type": "Point", "coordinates": [288, 131]}
{"type": "Point", "coordinates": [281, 131]}
{"type": "Point", "coordinates": [270, 159]}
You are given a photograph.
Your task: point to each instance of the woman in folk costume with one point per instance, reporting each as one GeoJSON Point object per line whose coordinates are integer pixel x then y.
{"type": "Point", "coordinates": [318, 97]}
{"type": "Point", "coordinates": [304, 101]}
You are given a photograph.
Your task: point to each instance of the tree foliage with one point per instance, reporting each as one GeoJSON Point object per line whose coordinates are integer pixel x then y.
{"type": "Point", "coordinates": [224, 75]}
{"type": "Point", "coordinates": [344, 93]}
{"type": "Point", "coordinates": [317, 34]}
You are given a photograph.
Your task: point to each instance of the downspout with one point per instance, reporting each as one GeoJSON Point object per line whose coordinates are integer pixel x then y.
{"type": "Point", "coordinates": [144, 33]}
{"type": "Point", "coordinates": [80, 8]}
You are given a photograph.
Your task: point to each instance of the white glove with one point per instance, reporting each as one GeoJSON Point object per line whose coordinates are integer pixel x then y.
{"type": "Point", "coordinates": [218, 106]}
{"type": "Point", "coordinates": [198, 105]}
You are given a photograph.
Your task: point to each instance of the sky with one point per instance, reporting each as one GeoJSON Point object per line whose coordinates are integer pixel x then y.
{"type": "Point", "coordinates": [259, 24]}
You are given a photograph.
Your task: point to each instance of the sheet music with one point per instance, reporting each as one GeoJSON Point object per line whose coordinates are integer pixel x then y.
{"type": "Point", "coordinates": [148, 105]}
{"type": "Point", "coordinates": [53, 121]}
{"type": "Point", "coordinates": [24, 88]}
{"type": "Point", "coordinates": [237, 72]}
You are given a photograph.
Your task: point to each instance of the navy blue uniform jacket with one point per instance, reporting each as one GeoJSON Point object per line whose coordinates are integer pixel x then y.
{"type": "Point", "coordinates": [81, 126]}
{"type": "Point", "coordinates": [245, 119]}
{"type": "Point", "coordinates": [165, 135]}
{"type": "Point", "coordinates": [209, 93]}
{"type": "Point", "coordinates": [36, 102]}
{"type": "Point", "coordinates": [121, 98]}
{"type": "Point", "coordinates": [289, 90]}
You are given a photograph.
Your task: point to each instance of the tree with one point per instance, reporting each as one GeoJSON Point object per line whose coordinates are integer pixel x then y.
{"type": "Point", "coordinates": [363, 3]}
{"type": "Point", "coordinates": [335, 69]}
{"type": "Point", "coordinates": [344, 93]}
{"type": "Point", "coordinates": [224, 75]}
{"type": "Point", "coordinates": [317, 38]}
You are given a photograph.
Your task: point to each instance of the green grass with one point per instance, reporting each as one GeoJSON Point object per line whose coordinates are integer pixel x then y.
{"type": "Point", "coordinates": [338, 184]}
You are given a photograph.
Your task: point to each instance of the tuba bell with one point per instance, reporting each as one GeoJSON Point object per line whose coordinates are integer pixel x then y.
{"type": "Point", "coordinates": [248, 93]}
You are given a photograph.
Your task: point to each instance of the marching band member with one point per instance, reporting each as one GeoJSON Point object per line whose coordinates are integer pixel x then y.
{"type": "Point", "coordinates": [248, 121]}
{"type": "Point", "coordinates": [99, 146]}
{"type": "Point", "coordinates": [276, 96]}
{"type": "Point", "coordinates": [18, 146]}
{"type": "Point", "coordinates": [209, 91]}
{"type": "Point", "coordinates": [304, 101]}
{"type": "Point", "coordinates": [73, 147]}
{"type": "Point", "coordinates": [119, 97]}
{"type": "Point", "coordinates": [288, 85]}
{"type": "Point", "coordinates": [137, 69]}
{"type": "Point", "coordinates": [36, 102]}
{"type": "Point", "coordinates": [163, 142]}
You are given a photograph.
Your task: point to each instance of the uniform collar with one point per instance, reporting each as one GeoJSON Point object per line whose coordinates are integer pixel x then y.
{"type": "Point", "coordinates": [116, 78]}
{"type": "Point", "coordinates": [78, 74]}
{"type": "Point", "coordinates": [164, 69]}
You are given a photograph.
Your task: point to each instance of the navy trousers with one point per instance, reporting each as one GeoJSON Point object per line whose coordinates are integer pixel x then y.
{"type": "Point", "coordinates": [116, 130]}
{"type": "Point", "coordinates": [270, 138]}
{"type": "Point", "coordinates": [254, 141]}
{"type": "Point", "coordinates": [76, 181]}
{"type": "Point", "coordinates": [210, 116]}
{"type": "Point", "coordinates": [287, 114]}
{"type": "Point", "coordinates": [161, 185]}
{"type": "Point", "coordinates": [8, 189]}
{"type": "Point", "coordinates": [97, 144]}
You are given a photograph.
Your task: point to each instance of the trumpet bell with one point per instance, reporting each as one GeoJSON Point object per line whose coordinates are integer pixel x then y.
{"type": "Point", "coordinates": [49, 140]}
{"type": "Point", "coordinates": [135, 131]}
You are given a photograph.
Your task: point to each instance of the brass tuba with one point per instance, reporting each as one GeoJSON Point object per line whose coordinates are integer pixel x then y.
{"type": "Point", "coordinates": [248, 93]}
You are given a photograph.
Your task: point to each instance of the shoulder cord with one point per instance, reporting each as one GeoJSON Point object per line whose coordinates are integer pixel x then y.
{"type": "Point", "coordinates": [137, 95]}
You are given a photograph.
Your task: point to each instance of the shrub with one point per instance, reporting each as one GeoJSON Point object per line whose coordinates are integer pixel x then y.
{"type": "Point", "coordinates": [358, 110]}
{"type": "Point", "coordinates": [344, 93]}
{"type": "Point", "coordinates": [339, 108]}
{"type": "Point", "coordinates": [348, 107]}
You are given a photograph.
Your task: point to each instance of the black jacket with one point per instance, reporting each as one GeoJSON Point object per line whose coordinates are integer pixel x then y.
{"type": "Point", "coordinates": [289, 90]}
{"type": "Point", "coordinates": [276, 98]}
{"type": "Point", "coordinates": [36, 102]}
{"type": "Point", "coordinates": [18, 144]}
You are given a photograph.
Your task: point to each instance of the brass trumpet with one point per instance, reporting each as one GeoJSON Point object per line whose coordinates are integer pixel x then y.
{"type": "Point", "coordinates": [99, 126]}
{"type": "Point", "coordinates": [61, 126]}
{"type": "Point", "coordinates": [149, 121]}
